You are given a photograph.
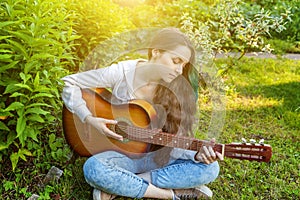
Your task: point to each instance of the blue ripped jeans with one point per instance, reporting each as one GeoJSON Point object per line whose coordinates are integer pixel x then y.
{"type": "Point", "coordinates": [115, 173]}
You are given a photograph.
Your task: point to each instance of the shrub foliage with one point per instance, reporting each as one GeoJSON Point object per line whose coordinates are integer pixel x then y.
{"type": "Point", "coordinates": [96, 21]}
{"type": "Point", "coordinates": [36, 46]}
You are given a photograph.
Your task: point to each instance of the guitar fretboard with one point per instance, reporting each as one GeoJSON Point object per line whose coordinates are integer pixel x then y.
{"type": "Point", "coordinates": [241, 151]}
{"type": "Point", "coordinates": [160, 138]}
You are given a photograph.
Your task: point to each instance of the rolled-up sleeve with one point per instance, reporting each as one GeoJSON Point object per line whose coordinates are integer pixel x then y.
{"type": "Point", "coordinates": [72, 96]}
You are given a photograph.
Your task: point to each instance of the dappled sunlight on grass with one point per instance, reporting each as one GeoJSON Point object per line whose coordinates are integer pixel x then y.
{"type": "Point", "coordinates": [251, 103]}
{"type": "Point", "coordinates": [262, 103]}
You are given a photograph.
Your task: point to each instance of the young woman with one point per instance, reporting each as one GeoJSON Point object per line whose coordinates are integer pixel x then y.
{"type": "Point", "coordinates": [163, 80]}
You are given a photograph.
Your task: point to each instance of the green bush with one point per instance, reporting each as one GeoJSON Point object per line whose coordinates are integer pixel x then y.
{"type": "Point", "coordinates": [96, 21]}
{"type": "Point", "coordinates": [168, 13]}
{"type": "Point", "coordinates": [149, 16]}
{"type": "Point", "coordinates": [283, 46]}
{"type": "Point", "coordinates": [230, 29]}
{"type": "Point", "coordinates": [36, 41]}
{"type": "Point", "coordinates": [292, 31]}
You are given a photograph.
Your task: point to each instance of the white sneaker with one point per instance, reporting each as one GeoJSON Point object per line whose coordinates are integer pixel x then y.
{"type": "Point", "coordinates": [205, 190]}
{"type": "Point", "coordinates": [100, 195]}
{"type": "Point", "coordinates": [199, 192]}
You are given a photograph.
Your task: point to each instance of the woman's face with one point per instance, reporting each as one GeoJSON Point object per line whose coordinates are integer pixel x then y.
{"type": "Point", "coordinates": [171, 62]}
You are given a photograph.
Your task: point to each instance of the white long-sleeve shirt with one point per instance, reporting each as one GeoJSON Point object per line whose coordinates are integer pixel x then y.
{"type": "Point", "coordinates": [119, 77]}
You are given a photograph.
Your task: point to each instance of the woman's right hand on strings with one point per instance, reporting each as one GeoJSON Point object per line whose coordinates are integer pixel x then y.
{"type": "Point", "coordinates": [100, 125]}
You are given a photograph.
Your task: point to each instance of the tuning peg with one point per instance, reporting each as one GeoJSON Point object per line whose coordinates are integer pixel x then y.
{"type": "Point", "coordinates": [252, 141]}
{"type": "Point", "coordinates": [244, 141]}
{"type": "Point", "coordinates": [261, 142]}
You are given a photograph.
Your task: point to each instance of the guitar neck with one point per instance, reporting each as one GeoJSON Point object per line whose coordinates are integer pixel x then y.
{"type": "Point", "coordinates": [256, 152]}
{"type": "Point", "coordinates": [166, 139]}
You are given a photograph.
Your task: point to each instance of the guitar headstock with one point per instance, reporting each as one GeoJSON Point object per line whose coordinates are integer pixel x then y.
{"type": "Point", "coordinates": [248, 151]}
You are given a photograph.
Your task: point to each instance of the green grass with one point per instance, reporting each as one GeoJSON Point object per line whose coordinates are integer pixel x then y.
{"type": "Point", "coordinates": [263, 101]}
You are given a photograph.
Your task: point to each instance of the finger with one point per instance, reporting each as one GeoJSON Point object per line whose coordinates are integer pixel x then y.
{"type": "Point", "coordinates": [112, 134]}
{"type": "Point", "coordinates": [204, 159]}
{"type": "Point", "coordinates": [212, 153]}
{"type": "Point", "coordinates": [207, 154]}
{"type": "Point", "coordinates": [220, 156]}
{"type": "Point", "coordinates": [213, 141]}
{"type": "Point", "coordinates": [108, 121]}
{"type": "Point", "coordinates": [106, 131]}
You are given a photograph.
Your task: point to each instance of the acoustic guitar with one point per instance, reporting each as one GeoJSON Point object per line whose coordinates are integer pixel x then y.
{"type": "Point", "coordinates": [137, 120]}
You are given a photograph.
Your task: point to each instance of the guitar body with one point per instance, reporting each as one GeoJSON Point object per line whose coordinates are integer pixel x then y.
{"type": "Point", "coordinates": [85, 140]}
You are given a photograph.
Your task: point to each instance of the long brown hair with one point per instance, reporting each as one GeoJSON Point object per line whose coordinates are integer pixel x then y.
{"type": "Point", "coordinates": [177, 98]}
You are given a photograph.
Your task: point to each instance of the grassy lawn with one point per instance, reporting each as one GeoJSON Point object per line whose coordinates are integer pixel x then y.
{"type": "Point", "coordinates": [263, 101]}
